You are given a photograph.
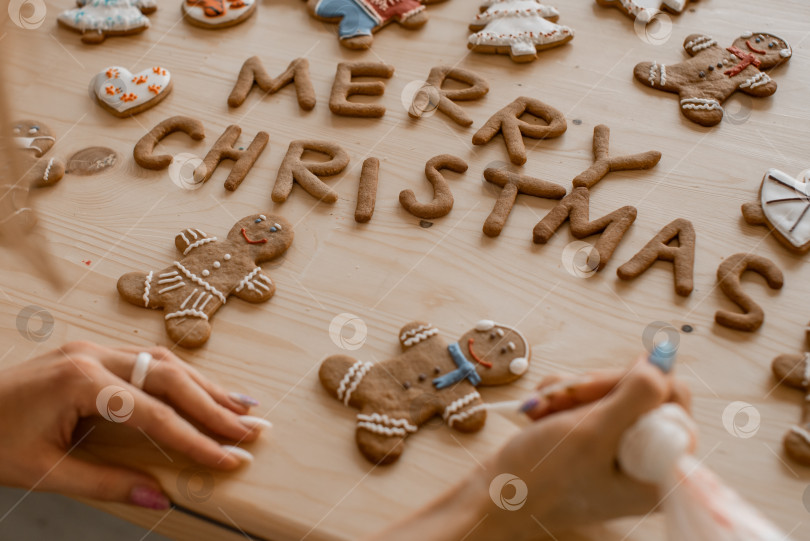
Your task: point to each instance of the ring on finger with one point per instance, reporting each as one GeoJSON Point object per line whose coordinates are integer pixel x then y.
{"type": "Point", "coordinates": [142, 362]}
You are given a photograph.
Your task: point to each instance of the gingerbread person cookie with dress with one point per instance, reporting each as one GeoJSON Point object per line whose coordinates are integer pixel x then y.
{"type": "Point", "coordinates": [194, 287]}
{"type": "Point", "coordinates": [714, 73]}
{"type": "Point", "coordinates": [429, 378]}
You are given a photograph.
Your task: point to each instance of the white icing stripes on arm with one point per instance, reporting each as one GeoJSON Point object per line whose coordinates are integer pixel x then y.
{"type": "Point", "coordinates": [352, 380]}
{"type": "Point", "coordinates": [414, 336]}
{"type": "Point", "coordinates": [700, 43]}
{"type": "Point", "coordinates": [382, 424]}
{"type": "Point", "coordinates": [249, 281]}
{"type": "Point", "coordinates": [147, 285]}
{"type": "Point", "coordinates": [757, 80]}
{"type": "Point", "coordinates": [199, 281]}
{"type": "Point", "coordinates": [459, 404]}
{"type": "Point", "coordinates": [700, 103]}
{"type": "Point", "coordinates": [188, 312]}
{"type": "Point", "coordinates": [458, 417]}
{"type": "Point", "coordinates": [198, 243]}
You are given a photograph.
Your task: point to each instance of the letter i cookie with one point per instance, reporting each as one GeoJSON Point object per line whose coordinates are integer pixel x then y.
{"type": "Point", "coordinates": [713, 73]}
{"type": "Point", "coordinates": [194, 287]}
{"type": "Point", "coordinates": [429, 378]}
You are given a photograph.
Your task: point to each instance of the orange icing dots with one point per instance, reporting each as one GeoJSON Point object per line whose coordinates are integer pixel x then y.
{"type": "Point", "coordinates": [154, 88]}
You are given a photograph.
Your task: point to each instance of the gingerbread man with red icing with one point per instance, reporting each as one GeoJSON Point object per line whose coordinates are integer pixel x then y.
{"type": "Point", "coordinates": [194, 287]}
{"type": "Point", "coordinates": [429, 378]}
{"type": "Point", "coordinates": [714, 73]}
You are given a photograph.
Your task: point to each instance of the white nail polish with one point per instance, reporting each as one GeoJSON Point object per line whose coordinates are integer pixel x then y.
{"type": "Point", "coordinates": [251, 421]}
{"type": "Point", "coordinates": [238, 452]}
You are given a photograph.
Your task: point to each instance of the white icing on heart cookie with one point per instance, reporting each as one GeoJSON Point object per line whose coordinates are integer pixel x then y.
{"type": "Point", "coordinates": [520, 25]}
{"type": "Point", "coordinates": [121, 90]}
{"type": "Point", "coordinates": [216, 12]}
{"type": "Point", "coordinates": [105, 16]}
{"type": "Point", "coordinates": [786, 204]}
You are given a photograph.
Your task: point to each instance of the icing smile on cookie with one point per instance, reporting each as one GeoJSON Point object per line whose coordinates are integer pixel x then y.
{"type": "Point", "coordinates": [475, 356]}
{"type": "Point", "coordinates": [250, 241]}
{"type": "Point", "coordinates": [754, 49]}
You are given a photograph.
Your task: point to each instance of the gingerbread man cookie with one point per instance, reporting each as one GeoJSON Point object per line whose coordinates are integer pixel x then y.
{"type": "Point", "coordinates": [793, 370]}
{"type": "Point", "coordinates": [783, 206]}
{"type": "Point", "coordinates": [429, 378]}
{"type": "Point", "coordinates": [359, 19]}
{"type": "Point", "coordinates": [519, 28]}
{"type": "Point", "coordinates": [713, 74]}
{"type": "Point", "coordinates": [97, 19]}
{"type": "Point", "coordinates": [645, 10]}
{"type": "Point", "coordinates": [35, 139]}
{"type": "Point", "coordinates": [194, 287]}
{"type": "Point", "coordinates": [217, 13]}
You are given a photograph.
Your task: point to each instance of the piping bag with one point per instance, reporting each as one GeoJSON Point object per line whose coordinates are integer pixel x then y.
{"type": "Point", "coordinates": [695, 503]}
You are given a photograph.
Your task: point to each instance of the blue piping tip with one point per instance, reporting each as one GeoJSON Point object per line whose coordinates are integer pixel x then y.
{"type": "Point", "coordinates": [663, 356]}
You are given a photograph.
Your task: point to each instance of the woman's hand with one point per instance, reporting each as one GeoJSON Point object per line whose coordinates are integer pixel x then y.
{"type": "Point", "coordinates": [42, 400]}
{"type": "Point", "coordinates": [566, 460]}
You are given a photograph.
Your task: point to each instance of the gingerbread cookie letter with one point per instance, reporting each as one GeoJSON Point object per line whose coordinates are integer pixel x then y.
{"type": "Point", "coordinates": [358, 19]}
{"type": "Point", "coordinates": [604, 164]}
{"type": "Point", "coordinates": [682, 256]}
{"type": "Point", "coordinates": [728, 276]}
{"type": "Point", "coordinates": [784, 206]}
{"type": "Point", "coordinates": [429, 378]}
{"type": "Point", "coordinates": [519, 28]}
{"type": "Point", "coordinates": [442, 202]}
{"type": "Point", "coordinates": [514, 184]}
{"type": "Point", "coordinates": [367, 190]}
{"type": "Point", "coordinates": [253, 72]}
{"type": "Point", "coordinates": [343, 87]}
{"type": "Point", "coordinates": [713, 74]}
{"type": "Point", "coordinates": [224, 149]}
{"type": "Point", "coordinates": [195, 286]}
{"type": "Point", "coordinates": [146, 145]}
{"type": "Point", "coordinates": [306, 173]}
{"type": "Point", "coordinates": [432, 95]}
{"type": "Point", "coordinates": [575, 208]}
{"type": "Point", "coordinates": [507, 121]}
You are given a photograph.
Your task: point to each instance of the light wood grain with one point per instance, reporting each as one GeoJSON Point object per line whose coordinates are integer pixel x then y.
{"type": "Point", "coordinates": [309, 481]}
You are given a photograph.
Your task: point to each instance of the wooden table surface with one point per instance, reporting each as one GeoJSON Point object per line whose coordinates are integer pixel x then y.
{"type": "Point", "coordinates": [308, 480]}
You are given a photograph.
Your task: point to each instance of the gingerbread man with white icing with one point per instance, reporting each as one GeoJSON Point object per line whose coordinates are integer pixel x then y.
{"type": "Point", "coordinates": [429, 378]}
{"type": "Point", "coordinates": [714, 73]}
{"type": "Point", "coordinates": [195, 286]}
{"type": "Point", "coordinates": [793, 370]}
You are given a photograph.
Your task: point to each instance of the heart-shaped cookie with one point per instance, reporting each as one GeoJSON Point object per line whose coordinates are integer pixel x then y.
{"type": "Point", "coordinates": [786, 207]}
{"type": "Point", "coordinates": [124, 93]}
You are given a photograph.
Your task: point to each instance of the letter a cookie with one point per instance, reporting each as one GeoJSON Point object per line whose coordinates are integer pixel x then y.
{"type": "Point", "coordinates": [195, 286]}
{"type": "Point", "coordinates": [429, 378]}
{"type": "Point", "coordinates": [714, 73]}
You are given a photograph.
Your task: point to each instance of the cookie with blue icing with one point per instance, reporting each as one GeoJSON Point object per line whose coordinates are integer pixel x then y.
{"type": "Point", "coordinates": [429, 378]}
{"type": "Point", "coordinates": [358, 19]}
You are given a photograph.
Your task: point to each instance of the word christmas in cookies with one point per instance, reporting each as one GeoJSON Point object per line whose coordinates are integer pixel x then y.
{"type": "Point", "coordinates": [123, 93]}
{"type": "Point", "coordinates": [784, 206]}
{"type": "Point", "coordinates": [194, 287]}
{"type": "Point", "coordinates": [519, 28]}
{"type": "Point", "coordinates": [359, 19]}
{"type": "Point", "coordinates": [97, 19]}
{"type": "Point", "coordinates": [429, 378]}
{"type": "Point", "coordinates": [217, 13]}
{"type": "Point", "coordinates": [793, 370]}
{"type": "Point", "coordinates": [713, 73]}
{"type": "Point", "coordinates": [645, 10]}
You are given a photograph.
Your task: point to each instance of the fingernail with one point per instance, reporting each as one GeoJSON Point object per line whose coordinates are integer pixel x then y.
{"type": "Point", "coordinates": [529, 405]}
{"type": "Point", "coordinates": [243, 399]}
{"type": "Point", "coordinates": [238, 452]}
{"type": "Point", "coordinates": [149, 498]}
{"type": "Point", "coordinates": [251, 421]}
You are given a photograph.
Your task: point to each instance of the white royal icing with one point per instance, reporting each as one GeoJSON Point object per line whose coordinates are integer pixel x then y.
{"type": "Point", "coordinates": [786, 204]}
{"type": "Point", "coordinates": [247, 280]}
{"type": "Point", "coordinates": [458, 417]}
{"type": "Point", "coordinates": [458, 404]}
{"type": "Point", "coordinates": [187, 312]}
{"type": "Point", "coordinates": [48, 170]}
{"type": "Point", "coordinates": [414, 336]}
{"type": "Point", "coordinates": [197, 13]}
{"type": "Point", "coordinates": [385, 420]}
{"type": "Point", "coordinates": [700, 103]}
{"type": "Point", "coordinates": [199, 281]}
{"type": "Point", "coordinates": [509, 24]}
{"type": "Point", "coordinates": [352, 380]}
{"type": "Point", "coordinates": [801, 432]}
{"type": "Point", "coordinates": [200, 243]}
{"type": "Point", "coordinates": [147, 285]}
{"type": "Point", "coordinates": [759, 79]}
{"type": "Point", "coordinates": [123, 90]}
{"type": "Point", "coordinates": [105, 16]}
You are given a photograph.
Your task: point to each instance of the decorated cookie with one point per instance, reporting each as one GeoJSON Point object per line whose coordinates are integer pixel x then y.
{"type": "Point", "coordinates": [645, 10]}
{"type": "Point", "coordinates": [97, 19]}
{"type": "Point", "coordinates": [713, 73]}
{"type": "Point", "coordinates": [146, 6]}
{"type": "Point", "coordinates": [793, 370]}
{"type": "Point", "coordinates": [783, 206]}
{"type": "Point", "coordinates": [123, 93]}
{"type": "Point", "coordinates": [429, 378]}
{"type": "Point", "coordinates": [519, 28]}
{"type": "Point", "coordinates": [91, 160]}
{"type": "Point", "coordinates": [34, 139]}
{"type": "Point", "coordinates": [194, 287]}
{"type": "Point", "coordinates": [217, 13]}
{"type": "Point", "coordinates": [359, 19]}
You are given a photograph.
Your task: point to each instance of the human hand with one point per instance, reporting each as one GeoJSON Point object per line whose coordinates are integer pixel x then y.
{"type": "Point", "coordinates": [43, 399]}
